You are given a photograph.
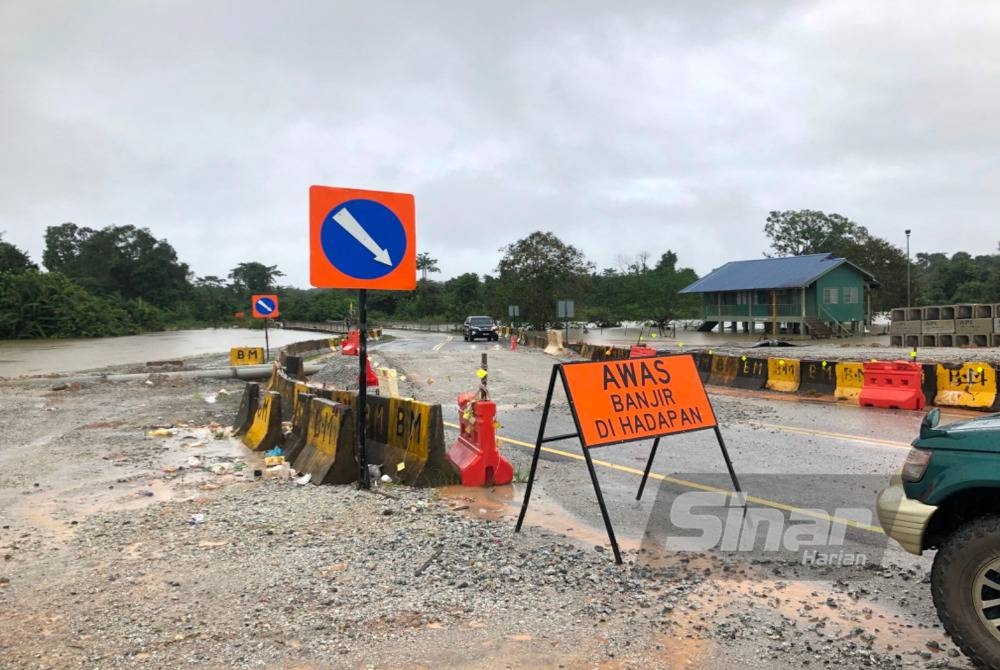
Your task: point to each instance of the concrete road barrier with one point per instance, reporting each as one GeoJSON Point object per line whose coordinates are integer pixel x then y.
{"type": "Point", "coordinates": [850, 381]}
{"type": "Point", "coordinates": [817, 377]}
{"type": "Point", "coordinates": [248, 406]}
{"type": "Point", "coordinates": [751, 373]}
{"type": "Point", "coordinates": [388, 382]}
{"type": "Point", "coordinates": [328, 451]}
{"type": "Point", "coordinates": [554, 346]}
{"type": "Point", "coordinates": [724, 369]}
{"type": "Point", "coordinates": [783, 375]}
{"type": "Point", "coordinates": [703, 361]}
{"type": "Point", "coordinates": [295, 440]}
{"type": "Point", "coordinates": [972, 385]}
{"type": "Point", "coordinates": [264, 432]}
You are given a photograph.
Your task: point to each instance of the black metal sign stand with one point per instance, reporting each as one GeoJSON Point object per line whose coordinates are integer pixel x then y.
{"type": "Point", "coordinates": [542, 439]}
{"type": "Point", "coordinates": [364, 480]}
{"type": "Point", "coordinates": [267, 343]}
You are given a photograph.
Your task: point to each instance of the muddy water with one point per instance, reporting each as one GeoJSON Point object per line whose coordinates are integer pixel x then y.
{"type": "Point", "coordinates": [37, 357]}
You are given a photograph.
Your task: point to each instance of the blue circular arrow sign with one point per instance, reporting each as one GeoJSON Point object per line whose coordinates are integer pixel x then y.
{"type": "Point", "coordinates": [265, 305]}
{"type": "Point", "coordinates": [363, 239]}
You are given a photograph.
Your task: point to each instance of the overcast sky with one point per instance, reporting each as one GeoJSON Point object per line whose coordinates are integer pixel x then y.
{"type": "Point", "coordinates": [619, 126]}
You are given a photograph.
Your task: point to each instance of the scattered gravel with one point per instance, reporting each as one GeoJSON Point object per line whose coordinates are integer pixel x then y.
{"type": "Point", "coordinates": [134, 534]}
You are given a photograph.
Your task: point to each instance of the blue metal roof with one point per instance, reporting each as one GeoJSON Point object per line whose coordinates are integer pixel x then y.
{"type": "Point", "coordinates": [768, 273]}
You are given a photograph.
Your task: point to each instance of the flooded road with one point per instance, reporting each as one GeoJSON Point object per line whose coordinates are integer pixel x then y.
{"type": "Point", "coordinates": [38, 357]}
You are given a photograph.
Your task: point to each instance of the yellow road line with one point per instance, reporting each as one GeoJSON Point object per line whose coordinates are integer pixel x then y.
{"type": "Point", "coordinates": [437, 347]}
{"type": "Point", "coordinates": [839, 436]}
{"type": "Point", "coordinates": [695, 485]}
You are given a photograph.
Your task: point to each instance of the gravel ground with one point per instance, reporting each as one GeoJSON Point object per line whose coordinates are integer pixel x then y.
{"type": "Point", "coordinates": [134, 534]}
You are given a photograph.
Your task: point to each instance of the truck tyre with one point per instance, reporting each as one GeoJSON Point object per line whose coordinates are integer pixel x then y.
{"type": "Point", "coordinates": [965, 583]}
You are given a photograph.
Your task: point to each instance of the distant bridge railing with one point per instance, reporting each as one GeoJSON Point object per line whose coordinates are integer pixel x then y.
{"type": "Point", "coordinates": [428, 327]}
{"type": "Point", "coordinates": [339, 327]}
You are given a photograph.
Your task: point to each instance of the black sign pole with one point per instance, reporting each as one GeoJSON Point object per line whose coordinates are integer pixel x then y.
{"type": "Point", "coordinates": [649, 466]}
{"type": "Point", "coordinates": [538, 449]}
{"type": "Point", "coordinates": [729, 463]}
{"type": "Point", "coordinates": [364, 481]}
{"type": "Point", "coordinates": [267, 343]}
{"type": "Point", "coordinates": [593, 474]}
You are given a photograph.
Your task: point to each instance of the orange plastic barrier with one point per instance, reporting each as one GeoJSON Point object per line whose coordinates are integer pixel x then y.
{"type": "Point", "coordinates": [894, 385]}
{"type": "Point", "coordinates": [474, 453]}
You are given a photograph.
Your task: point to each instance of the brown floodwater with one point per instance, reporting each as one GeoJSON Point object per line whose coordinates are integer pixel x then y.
{"type": "Point", "coordinates": [38, 357]}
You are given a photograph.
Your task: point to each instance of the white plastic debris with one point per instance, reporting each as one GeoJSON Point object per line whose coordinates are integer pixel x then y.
{"type": "Point", "coordinates": [197, 518]}
{"type": "Point", "coordinates": [194, 462]}
{"type": "Point", "coordinates": [386, 479]}
{"type": "Point", "coordinates": [304, 479]}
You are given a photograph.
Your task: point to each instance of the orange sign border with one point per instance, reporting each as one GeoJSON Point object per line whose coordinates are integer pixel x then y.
{"type": "Point", "coordinates": [323, 274]}
{"type": "Point", "coordinates": [586, 409]}
{"type": "Point", "coordinates": [258, 315]}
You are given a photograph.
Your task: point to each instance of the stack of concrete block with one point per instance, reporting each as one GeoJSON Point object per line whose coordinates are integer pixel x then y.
{"type": "Point", "coordinates": [946, 326]}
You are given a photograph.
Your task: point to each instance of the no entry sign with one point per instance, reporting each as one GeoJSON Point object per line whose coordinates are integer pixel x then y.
{"type": "Point", "coordinates": [637, 398]}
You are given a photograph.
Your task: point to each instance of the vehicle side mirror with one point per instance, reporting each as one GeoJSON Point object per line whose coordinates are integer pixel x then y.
{"type": "Point", "coordinates": [930, 422]}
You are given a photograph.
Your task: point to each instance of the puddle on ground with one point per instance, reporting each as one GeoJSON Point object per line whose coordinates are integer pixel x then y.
{"type": "Point", "coordinates": [503, 503]}
{"type": "Point", "coordinates": [180, 471]}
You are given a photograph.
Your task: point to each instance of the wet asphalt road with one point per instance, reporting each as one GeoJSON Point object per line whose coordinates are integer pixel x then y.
{"type": "Point", "coordinates": [816, 458]}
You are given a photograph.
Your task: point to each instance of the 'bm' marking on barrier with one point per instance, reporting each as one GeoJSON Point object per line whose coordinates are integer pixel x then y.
{"type": "Point", "coordinates": [325, 429]}
{"type": "Point", "coordinates": [410, 429]}
{"type": "Point", "coordinates": [246, 355]}
{"type": "Point", "coordinates": [817, 372]}
{"type": "Point", "coordinates": [972, 385]}
{"type": "Point", "coordinates": [752, 368]}
{"type": "Point", "coordinates": [783, 374]}
{"type": "Point", "coordinates": [637, 398]}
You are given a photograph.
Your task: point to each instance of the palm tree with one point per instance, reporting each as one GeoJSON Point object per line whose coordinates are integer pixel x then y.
{"type": "Point", "coordinates": [426, 264]}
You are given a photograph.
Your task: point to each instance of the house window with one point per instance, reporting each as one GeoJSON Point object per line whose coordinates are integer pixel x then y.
{"type": "Point", "coordinates": [850, 295]}
{"type": "Point", "coordinates": [830, 296]}
{"type": "Point", "coordinates": [743, 298]}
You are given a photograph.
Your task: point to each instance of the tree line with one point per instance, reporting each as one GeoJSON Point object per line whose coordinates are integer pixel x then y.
{"type": "Point", "coordinates": [121, 280]}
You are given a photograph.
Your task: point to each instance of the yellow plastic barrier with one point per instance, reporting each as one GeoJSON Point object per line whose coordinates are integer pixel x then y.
{"type": "Point", "coordinates": [783, 375]}
{"type": "Point", "coordinates": [969, 385]}
{"type": "Point", "coordinates": [264, 432]}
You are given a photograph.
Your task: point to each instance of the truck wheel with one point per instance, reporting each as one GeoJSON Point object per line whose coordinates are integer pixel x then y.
{"type": "Point", "coordinates": [965, 583]}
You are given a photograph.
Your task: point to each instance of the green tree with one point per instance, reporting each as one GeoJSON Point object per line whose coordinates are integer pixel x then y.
{"type": "Point", "coordinates": [118, 260]}
{"type": "Point", "coordinates": [13, 259]}
{"type": "Point", "coordinates": [801, 232]}
{"type": "Point", "coordinates": [426, 264]}
{"type": "Point", "coordinates": [41, 305]}
{"type": "Point", "coordinates": [253, 277]}
{"type": "Point", "coordinates": [463, 295]}
{"type": "Point", "coordinates": [538, 270]}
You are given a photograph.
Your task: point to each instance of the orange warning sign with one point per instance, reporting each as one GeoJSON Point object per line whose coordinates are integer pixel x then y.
{"type": "Point", "coordinates": [637, 398]}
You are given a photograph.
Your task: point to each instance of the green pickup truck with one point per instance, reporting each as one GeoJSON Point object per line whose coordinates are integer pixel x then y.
{"type": "Point", "coordinates": [947, 497]}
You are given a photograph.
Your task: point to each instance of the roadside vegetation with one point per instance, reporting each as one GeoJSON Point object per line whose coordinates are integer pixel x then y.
{"type": "Point", "coordinates": [120, 280]}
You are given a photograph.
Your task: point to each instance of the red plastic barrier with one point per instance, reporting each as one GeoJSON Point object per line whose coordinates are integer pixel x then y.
{"type": "Point", "coordinates": [474, 453]}
{"type": "Point", "coordinates": [895, 385]}
{"type": "Point", "coordinates": [371, 379]}
{"type": "Point", "coordinates": [641, 351]}
{"type": "Point", "coordinates": [351, 344]}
